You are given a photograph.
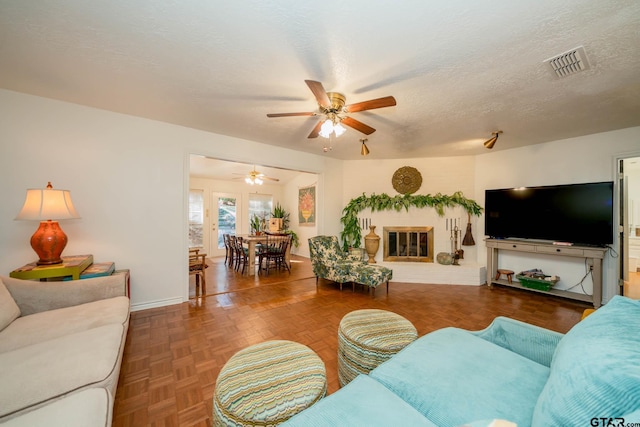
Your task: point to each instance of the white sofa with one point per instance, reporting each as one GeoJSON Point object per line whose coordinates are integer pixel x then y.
{"type": "Point", "coordinates": [61, 347]}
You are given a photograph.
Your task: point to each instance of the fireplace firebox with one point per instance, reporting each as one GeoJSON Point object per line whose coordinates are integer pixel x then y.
{"type": "Point", "coordinates": [413, 244]}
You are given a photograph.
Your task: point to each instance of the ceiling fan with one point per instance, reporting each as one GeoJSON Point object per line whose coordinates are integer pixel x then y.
{"type": "Point", "coordinates": [255, 177]}
{"type": "Point", "coordinates": [332, 107]}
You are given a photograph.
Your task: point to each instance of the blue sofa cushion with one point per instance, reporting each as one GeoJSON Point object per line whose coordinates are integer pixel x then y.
{"type": "Point", "coordinates": [452, 376]}
{"type": "Point", "coordinates": [362, 402]}
{"type": "Point", "coordinates": [595, 371]}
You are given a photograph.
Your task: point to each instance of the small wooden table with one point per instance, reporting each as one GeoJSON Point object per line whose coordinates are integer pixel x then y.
{"type": "Point", "coordinates": [252, 241]}
{"type": "Point", "coordinates": [70, 266]}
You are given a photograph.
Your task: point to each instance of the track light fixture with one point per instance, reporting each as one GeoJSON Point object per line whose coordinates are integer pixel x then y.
{"type": "Point", "coordinates": [492, 141]}
{"type": "Point", "coordinates": [364, 150]}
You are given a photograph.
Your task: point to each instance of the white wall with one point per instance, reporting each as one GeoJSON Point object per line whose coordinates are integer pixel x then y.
{"type": "Point", "coordinates": [128, 177]}
{"type": "Point", "coordinates": [589, 158]}
{"type": "Point", "coordinates": [129, 181]}
{"type": "Point", "coordinates": [585, 159]}
{"type": "Point", "coordinates": [444, 175]}
{"type": "Point", "coordinates": [291, 205]}
{"type": "Point", "coordinates": [633, 214]}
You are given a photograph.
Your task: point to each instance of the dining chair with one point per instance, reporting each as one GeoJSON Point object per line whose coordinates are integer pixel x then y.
{"type": "Point", "coordinates": [229, 250]}
{"type": "Point", "coordinates": [197, 266]}
{"type": "Point", "coordinates": [241, 254]}
{"type": "Point", "coordinates": [274, 252]}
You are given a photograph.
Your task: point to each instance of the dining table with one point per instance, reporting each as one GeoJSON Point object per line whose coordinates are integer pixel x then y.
{"type": "Point", "coordinates": [252, 241]}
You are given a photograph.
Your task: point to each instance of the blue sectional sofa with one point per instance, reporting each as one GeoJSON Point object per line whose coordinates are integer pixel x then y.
{"type": "Point", "coordinates": [510, 371]}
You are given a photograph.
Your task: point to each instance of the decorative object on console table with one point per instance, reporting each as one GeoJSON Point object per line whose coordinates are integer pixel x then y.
{"type": "Point", "coordinates": [95, 270]}
{"type": "Point", "coordinates": [372, 244]}
{"type": "Point", "coordinates": [71, 266]}
{"type": "Point", "coordinates": [48, 206]}
{"type": "Point", "coordinates": [508, 273]}
{"type": "Point", "coordinates": [536, 279]}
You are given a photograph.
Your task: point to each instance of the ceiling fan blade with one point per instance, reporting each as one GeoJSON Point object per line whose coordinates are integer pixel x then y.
{"type": "Point", "coordinates": [387, 101]}
{"type": "Point", "coordinates": [319, 93]}
{"type": "Point", "coordinates": [357, 125]}
{"type": "Point", "coordinates": [289, 114]}
{"type": "Point", "coordinates": [269, 178]}
{"type": "Point", "coordinates": [316, 130]}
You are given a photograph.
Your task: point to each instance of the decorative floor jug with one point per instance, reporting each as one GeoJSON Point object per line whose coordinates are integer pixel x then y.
{"type": "Point", "coordinates": [371, 244]}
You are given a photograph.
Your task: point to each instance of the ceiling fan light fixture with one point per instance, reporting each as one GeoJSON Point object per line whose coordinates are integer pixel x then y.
{"type": "Point", "coordinates": [258, 181]}
{"type": "Point", "coordinates": [492, 141]}
{"type": "Point", "coordinates": [338, 129]}
{"type": "Point", "coordinates": [326, 129]}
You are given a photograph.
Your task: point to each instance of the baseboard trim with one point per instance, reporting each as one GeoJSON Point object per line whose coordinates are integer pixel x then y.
{"type": "Point", "coordinates": [156, 304]}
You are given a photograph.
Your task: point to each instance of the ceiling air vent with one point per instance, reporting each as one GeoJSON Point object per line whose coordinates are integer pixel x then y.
{"type": "Point", "coordinates": [571, 62]}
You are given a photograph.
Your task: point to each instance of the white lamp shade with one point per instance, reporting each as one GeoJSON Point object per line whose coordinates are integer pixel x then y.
{"type": "Point", "coordinates": [326, 129]}
{"type": "Point", "coordinates": [47, 203]}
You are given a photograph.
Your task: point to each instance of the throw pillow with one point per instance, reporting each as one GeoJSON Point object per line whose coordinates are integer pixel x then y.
{"type": "Point", "coordinates": [595, 371]}
{"type": "Point", "coordinates": [9, 310]}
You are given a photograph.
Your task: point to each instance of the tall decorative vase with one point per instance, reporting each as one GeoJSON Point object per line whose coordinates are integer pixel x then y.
{"type": "Point", "coordinates": [371, 244]}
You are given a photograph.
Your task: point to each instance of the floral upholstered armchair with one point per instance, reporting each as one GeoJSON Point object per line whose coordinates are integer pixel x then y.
{"type": "Point", "coordinates": [330, 262]}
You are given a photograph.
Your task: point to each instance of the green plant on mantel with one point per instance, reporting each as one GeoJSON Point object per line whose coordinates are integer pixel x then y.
{"type": "Point", "coordinates": [351, 235]}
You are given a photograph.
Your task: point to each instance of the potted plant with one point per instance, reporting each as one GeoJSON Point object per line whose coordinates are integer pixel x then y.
{"type": "Point", "coordinates": [280, 213]}
{"type": "Point", "coordinates": [256, 225]}
{"type": "Point", "coordinates": [280, 216]}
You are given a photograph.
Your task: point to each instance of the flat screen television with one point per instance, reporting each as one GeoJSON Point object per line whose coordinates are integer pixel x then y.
{"type": "Point", "coordinates": [574, 213]}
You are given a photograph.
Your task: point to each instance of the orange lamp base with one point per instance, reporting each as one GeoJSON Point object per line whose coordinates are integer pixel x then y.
{"type": "Point", "coordinates": [48, 242]}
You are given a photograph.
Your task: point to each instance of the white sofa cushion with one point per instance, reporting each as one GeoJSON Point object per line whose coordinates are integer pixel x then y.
{"type": "Point", "coordinates": [47, 325]}
{"type": "Point", "coordinates": [37, 374]}
{"type": "Point", "coordinates": [9, 310]}
{"type": "Point", "coordinates": [91, 407]}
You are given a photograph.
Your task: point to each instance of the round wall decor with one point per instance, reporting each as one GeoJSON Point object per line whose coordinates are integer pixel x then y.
{"type": "Point", "coordinates": [406, 180]}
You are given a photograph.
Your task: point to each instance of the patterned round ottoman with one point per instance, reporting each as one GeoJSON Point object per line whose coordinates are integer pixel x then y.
{"type": "Point", "coordinates": [366, 338]}
{"type": "Point", "coordinates": [267, 383]}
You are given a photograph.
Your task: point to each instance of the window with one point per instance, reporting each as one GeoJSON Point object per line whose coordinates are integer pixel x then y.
{"type": "Point", "coordinates": [196, 218]}
{"type": "Point", "coordinates": [260, 205]}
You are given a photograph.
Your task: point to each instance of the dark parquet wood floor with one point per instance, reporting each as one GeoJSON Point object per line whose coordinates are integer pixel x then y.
{"type": "Point", "coordinates": [173, 354]}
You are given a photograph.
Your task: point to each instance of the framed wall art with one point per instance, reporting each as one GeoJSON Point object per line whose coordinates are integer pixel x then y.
{"type": "Point", "coordinates": [307, 205]}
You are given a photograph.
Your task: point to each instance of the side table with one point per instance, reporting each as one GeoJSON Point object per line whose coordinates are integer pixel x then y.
{"type": "Point", "coordinates": [70, 266]}
{"type": "Point", "coordinates": [74, 267]}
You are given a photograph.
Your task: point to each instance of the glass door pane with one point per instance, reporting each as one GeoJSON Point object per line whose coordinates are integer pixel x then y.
{"type": "Point", "coordinates": [227, 208]}
{"type": "Point", "coordinates": [224, 220]}
{"type": "Point", "coordinates": [196, 218]}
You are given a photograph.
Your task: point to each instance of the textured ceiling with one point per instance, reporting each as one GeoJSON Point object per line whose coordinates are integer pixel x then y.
{"type": "Point", "coordinates": [459, 69]}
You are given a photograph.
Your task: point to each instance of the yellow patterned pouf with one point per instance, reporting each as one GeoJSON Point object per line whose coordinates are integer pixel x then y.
{"type": "Point", "coordinates": [366, 338]}
{"type": "Point", "coordinates": [267, 383]}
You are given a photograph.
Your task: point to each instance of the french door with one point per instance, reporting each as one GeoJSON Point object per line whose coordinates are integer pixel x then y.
{"type": "Point", "coordinates": [225, 208]}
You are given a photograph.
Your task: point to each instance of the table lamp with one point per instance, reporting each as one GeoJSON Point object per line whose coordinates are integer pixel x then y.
{"type": "Point", "coordinates": [47, 206]}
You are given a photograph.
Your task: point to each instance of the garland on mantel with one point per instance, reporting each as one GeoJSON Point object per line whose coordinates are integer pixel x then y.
{"type": "Point", "coordinates": [351, 235]}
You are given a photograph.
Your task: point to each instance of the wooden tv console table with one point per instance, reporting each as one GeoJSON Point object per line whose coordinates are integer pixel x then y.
{"type": "Point", "coordinates": [593, 255]}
